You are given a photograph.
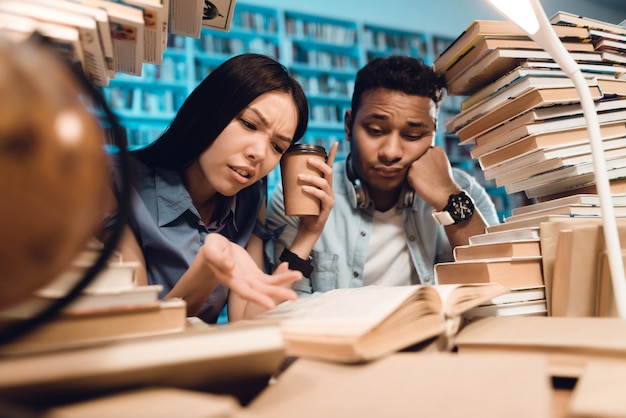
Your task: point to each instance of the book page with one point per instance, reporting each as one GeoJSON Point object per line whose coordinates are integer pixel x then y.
{"type": "Point", "coordinates": [459, 298]}
{"type": "Point", "coordinates": [352, 311]}
{"type": "Point", "coordinates": [186, 17]}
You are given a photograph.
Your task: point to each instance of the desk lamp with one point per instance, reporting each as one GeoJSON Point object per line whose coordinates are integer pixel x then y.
{"type": "Point", "coordinates": [531, 18]}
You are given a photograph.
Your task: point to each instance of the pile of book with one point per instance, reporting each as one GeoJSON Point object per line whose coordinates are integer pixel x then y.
{"type": "Point", "coordinates": [111, 307]}
{"type": "Point", "coordinates": [513, 260]}
{"type": "Point", "coordinates": [522, 117]}
{"type": "Point", "coordinates": [522, 120]}
{"type": "Point", "coordinates": [105, 36]}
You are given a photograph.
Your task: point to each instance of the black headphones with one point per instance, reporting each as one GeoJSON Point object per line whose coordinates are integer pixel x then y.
{"type": "Point", "coordinates": [360, 198]}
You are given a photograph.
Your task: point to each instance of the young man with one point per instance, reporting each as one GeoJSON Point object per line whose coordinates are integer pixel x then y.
{"type": "Point", "coordinates": [399, 205]}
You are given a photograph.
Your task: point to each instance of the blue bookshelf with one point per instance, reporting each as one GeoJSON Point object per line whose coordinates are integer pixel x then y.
{"type": "Point", "coordinates": [323, 53]}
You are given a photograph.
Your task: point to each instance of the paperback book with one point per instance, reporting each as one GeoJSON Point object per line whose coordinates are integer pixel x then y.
{"type": "Point", "coordinates": [611, 146]}
{"type": "Point", "coordinates": [538, 97]}
{"type": "Point", "coordinates": [549, 113]}
{"type": "Point", "coordinates": [94, 62]}
{"type": "Point", "coordinates": [557, 163]}
{"type": "Point", "coordinates": [579, 199]}
{"type": "Point", "coordinates": [562, 173]}
{"type": "Point", "coordinates": [556, 128]}
{"type": "Point", "coordinates": [547, 140]}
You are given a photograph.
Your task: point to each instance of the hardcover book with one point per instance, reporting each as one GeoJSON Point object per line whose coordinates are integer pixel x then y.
{"type": "Point", "coordinates": [479, 29]}
{"type": "Point", "coordinates": [488, 44]}
{"type": "Point", "coordinates": [497, 62]}
{"type": "Point", "coordinates": [86, 327]}
{"type": "Point", "coordinates": [210, 359]}
{"type": "Point", "coordinates": [569, 344]}
{"type": "Point", "coordinates": [405, 385]}
{"type": "Point", "coordinates": [511, 272]}
{"type": "Point", "coordinates": [517, 248]}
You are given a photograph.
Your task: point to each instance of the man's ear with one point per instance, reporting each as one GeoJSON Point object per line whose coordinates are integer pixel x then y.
{"type": "Point", "coordinates": [347, 123]}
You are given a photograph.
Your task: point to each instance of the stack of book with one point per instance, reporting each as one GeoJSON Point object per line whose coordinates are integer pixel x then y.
{"type": "Point", "coordinates": [111, 307]}
{"type": "Point", "coordinates": [523, 122]}
{"type": "Point", "coordinates": [522, 118]}
{"type": "Point", "coordinates": [104, 37]}
{"type": "Point", "coordinates": [512, 259]}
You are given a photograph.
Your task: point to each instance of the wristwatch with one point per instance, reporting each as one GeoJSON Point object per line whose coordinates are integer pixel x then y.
{"type": "Point", "coordinates": [460, 208]}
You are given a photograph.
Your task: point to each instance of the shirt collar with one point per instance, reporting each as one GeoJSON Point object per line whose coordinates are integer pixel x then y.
{"type": "Point", "coordinates": [173, 199]}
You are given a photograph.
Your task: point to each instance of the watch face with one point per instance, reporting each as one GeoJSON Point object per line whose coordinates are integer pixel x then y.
{"type": "Point", "coordinates": [461, 207]}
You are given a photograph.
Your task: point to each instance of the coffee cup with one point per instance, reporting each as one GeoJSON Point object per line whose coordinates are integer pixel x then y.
{"type": "Point", "coordinates": [294, 162]}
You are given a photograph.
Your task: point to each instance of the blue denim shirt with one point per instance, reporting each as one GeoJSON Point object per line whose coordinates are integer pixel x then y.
{"type": "Point", "coordinates": [170, 231]}
{"type": "Point", "coordinates": [339, 254]}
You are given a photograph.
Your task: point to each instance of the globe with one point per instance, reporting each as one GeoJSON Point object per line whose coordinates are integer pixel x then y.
{"type": "Point", "coordinates": [53, 169]}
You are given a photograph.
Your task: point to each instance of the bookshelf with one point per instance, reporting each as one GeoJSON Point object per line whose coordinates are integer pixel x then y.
{"type": "Point", "coordinates": [322, 53]}
{"type": "Point", "coordinates": [380, 42]}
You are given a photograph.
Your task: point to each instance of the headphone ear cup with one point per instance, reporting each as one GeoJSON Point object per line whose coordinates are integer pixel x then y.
{"type": "Point", "coordinates": [360, 198]}
{"type": "Point", "coordinates": [407, 197]}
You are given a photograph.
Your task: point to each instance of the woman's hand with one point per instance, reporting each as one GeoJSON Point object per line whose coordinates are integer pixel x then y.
{"type": "Point", "coordinates": [234, 267]}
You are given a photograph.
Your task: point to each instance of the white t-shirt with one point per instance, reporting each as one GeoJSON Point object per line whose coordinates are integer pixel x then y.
{"type": "Point", "coordinates": [388, 261]}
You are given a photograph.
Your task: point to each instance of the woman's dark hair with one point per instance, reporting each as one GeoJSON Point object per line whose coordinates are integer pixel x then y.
{"type": "Point", "coordinates": [398, 73]}
{"type": "Point", "coordinates": [213, 104]}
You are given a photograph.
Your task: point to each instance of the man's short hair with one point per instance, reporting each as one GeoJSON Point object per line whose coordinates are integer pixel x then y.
{"type": "Point", "coordinates": [398, 73]}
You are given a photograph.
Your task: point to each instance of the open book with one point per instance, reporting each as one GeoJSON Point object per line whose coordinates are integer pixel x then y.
{"type": "Point", "coordinates": [360, 324]}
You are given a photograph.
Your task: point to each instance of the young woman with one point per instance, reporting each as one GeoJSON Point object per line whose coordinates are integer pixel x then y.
{"type": "Point", "coordinates": [198, 213]}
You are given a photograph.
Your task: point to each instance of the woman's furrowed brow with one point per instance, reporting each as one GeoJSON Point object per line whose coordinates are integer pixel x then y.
{"type": "Point", "coordinates": [284, 138]}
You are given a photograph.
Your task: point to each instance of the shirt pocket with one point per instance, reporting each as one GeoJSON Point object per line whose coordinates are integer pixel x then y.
{"type": "Point", "coordinates": [325, 271]}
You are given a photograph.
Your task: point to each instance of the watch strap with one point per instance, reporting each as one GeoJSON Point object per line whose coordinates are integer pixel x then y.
{"type": "Point", "coordinates": [443, 218]}
{"type": "Point", "coordinates": [447, 215]}
{"type": "Point", "coordinates": [296, 263]}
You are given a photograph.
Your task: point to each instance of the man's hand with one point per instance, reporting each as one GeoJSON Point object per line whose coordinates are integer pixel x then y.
{"type": "Point", "coordinates": [431, 177]}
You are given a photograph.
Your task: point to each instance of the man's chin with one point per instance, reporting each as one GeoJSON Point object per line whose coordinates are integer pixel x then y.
{"type": "Point", "coordinates": [384, 187]}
